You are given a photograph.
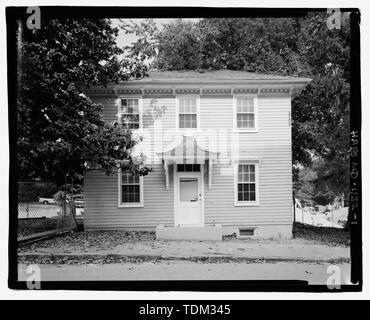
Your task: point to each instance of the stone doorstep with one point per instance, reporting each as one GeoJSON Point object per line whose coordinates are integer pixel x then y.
{"type": "Point", "coordinates": [204, 233]}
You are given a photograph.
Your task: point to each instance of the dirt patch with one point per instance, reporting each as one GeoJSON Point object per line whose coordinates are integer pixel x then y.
{"type": "Point", "coordinates": [98, 240]}
{"type": "Point", "coordinates": [108, 245]}
{"type": "Point", "coordinates": [324, 235]}
{"type": "Point", "coordinates": [27, 227]}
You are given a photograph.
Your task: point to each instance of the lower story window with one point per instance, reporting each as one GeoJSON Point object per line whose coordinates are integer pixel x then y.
{"type": "Point", "coordinates": [131, 189]}
{"type": "Point", "coordinates": [246, 184]}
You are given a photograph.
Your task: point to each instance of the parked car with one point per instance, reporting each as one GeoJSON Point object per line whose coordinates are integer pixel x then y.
{"type": "Point", "coordinates": [46, 200]}
{"type": "Point", "coordinates": [79, 200]}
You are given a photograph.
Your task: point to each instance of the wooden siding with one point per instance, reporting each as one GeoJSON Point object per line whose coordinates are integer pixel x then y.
{"type": "Point", "coordinates": [271, 144]}
{"type": "Point", "coordinates": [101, 202]}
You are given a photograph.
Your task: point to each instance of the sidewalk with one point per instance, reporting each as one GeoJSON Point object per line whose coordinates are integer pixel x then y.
{"type": "Point", "coordinates": [229, 250]}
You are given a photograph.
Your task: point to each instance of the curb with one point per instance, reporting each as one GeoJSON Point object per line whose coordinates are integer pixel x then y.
{"type": "Point", "coordinates": [118, 258]}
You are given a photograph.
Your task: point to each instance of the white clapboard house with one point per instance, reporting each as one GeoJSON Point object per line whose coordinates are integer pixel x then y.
{"type": "Point", "coordinates": [220, 146]}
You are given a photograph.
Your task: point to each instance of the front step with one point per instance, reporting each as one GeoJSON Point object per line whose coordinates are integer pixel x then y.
{"type": "Point", "coordinates": [206, 233]}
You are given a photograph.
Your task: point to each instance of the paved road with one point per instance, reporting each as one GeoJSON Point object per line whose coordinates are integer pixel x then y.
{"type": "Point", "coordinates": [186, 270]}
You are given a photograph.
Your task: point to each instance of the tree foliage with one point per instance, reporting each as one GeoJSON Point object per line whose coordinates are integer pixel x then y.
{"type": "Point", "coordinates": [284, 46]}
{"type": "Point", "coordinates": [60, 130]}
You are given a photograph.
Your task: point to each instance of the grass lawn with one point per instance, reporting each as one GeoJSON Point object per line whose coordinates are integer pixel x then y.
{"type": "Point", "coordinates": [324, 235]}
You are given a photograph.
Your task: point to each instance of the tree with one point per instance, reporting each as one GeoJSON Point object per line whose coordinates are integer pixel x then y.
{"type": "Point", "coordinates": [284, 46]}
{"type": "Point", "coordinates": [60, 131]}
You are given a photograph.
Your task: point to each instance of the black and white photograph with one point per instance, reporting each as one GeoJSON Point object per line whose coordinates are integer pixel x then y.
{"type": "Point", "coordinates": [178, 149]}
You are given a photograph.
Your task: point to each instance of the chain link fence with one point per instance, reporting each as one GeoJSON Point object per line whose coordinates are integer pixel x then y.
{"type": "Point", "coordinates": [40, 215]}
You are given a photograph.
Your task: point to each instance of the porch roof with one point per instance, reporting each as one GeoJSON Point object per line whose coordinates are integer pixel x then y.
{"type": "Point", "coordinates": [187, 150]}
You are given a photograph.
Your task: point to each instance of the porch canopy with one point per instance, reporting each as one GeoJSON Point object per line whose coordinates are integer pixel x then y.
{"type": "Point", "coordinates": [187, 150]}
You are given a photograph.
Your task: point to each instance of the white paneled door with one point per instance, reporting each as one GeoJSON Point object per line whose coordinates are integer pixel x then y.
{"type": "Point", "coordinates": [188, 199]}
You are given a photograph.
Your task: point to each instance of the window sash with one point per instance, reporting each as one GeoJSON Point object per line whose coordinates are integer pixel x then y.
{"type": "Point", "coordinates": [130, 113]}
{"type": "Point", "coordinates": [246, 192]}
{"type": "Point", "coordinates": [245, 113]}
{"type": "Point", "coordinates": [188, 113]}
{"type": "Point", "coordinates": [130, 188]}
{"type": "Point", "coordinates": [246, 183]}
{"type": "Point", "coordinates": [247, 173]}
{"type": "Point", "coordinates": [187, 121]}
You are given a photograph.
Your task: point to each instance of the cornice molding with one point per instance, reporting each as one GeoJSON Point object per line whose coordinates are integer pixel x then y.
{"type": "Point", "coordinates": [172, 91]}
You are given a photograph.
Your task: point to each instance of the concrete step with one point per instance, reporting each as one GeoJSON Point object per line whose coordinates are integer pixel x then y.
{"type": "Point", "coordinates": [206, 233]}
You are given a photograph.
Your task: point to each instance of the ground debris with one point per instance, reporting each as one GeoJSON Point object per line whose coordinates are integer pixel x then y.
{"type": "Point", "coordinates": [99, 240]}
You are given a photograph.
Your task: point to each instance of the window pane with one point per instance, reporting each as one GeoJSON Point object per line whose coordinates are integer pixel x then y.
{"type": "Point", "coordinates": [130, 188]}
{"type": "Point", "coordinates": [193, 121]}
{"type": "Point", "coordinates": [182, 121]}
{"type": "Point", "coordinates": [137, 197]}
{"type": "Point", "coordinates": [133, 117]}
{"type": "Point", "coordinates": [124, 195]}
{"type": "Point", "coordinates": [133, 126]}
{"type": "Point", "coordinates": [124, 177]}
{"type": "Point", "coordinates": [130, 113]}
{"type": "Point", "coordinates": [252, 177]}
{"type": "Point", "coordinates": [188, 189]}
{"type": "Point", "coordinates": [240, 196]}
{"type": "Point", "coordinates": [252, 196]}
{"type": "Point", "coordinates": [131, 197]}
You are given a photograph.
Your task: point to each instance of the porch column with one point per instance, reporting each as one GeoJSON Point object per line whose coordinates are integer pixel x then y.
{"type": "Point", "coordinates": [166, 171]}
{"type": "Point", "coordinates": [210, 167]}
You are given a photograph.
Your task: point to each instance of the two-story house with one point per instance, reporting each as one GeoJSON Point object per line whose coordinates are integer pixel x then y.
{"type": "Point", "coordinates": [220, 146]}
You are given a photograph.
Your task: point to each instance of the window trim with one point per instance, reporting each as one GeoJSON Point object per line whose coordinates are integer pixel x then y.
{"type": "Point", "coordinates": [236, 169]}
{"type": "Point", "coordinates": [235, 109]}
{"type": "Point", "coordinates": [130, 204]}
{"type": "Point", "coordinates": [197, 99]}
{"type": "Point", "coordinates": [119, 113]}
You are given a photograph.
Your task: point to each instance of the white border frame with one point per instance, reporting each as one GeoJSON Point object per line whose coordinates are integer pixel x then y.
{"type": "Point", "coordinates": [246, 203]}
{"type": "Point", "coordinates": [176, 177]}
{"type": "Point", "coordinates": [119, 108]}
{"type": "Point", "coordinates": [187, 96]}
{"type": "Point", "coordinates": [255, 100]}
{"type": "Point", "coordinates": [130, 204]}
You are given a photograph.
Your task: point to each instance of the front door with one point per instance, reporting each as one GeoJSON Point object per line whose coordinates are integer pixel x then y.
{"type": "Point", "coordinates": [188, 199]}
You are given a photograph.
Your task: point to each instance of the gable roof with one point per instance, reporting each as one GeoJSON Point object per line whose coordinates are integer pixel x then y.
{"type": "Point", "coordinates": [165, 82]}
{"type": "Point", "coordinates": [206, 75]}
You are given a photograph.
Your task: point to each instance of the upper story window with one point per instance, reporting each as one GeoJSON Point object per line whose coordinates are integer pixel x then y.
{"type": "Point", "coordinates": [130, 113]}
{"type": "Point", "coordinates": [188, 113]}
{"type": "Point", "coordinates": [246, 184]}
{"type": "Point", "coordinates": [245, 114]}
